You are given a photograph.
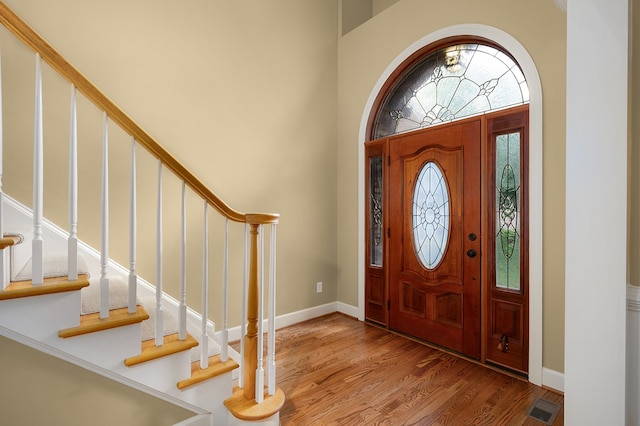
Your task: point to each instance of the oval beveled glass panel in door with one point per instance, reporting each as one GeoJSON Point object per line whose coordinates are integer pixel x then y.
{"type": "Point", "coordinates": [431, 218]}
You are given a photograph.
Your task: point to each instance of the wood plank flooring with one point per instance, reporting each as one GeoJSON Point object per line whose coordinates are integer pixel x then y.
{"type": "Point", "coordinates": [336, 370]}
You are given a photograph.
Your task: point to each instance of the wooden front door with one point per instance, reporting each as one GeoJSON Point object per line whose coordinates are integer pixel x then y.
{"type": "Point", "coordinates": [434, 235]}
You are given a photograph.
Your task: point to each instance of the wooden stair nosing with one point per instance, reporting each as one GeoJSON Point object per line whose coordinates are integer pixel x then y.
{"type": "Point", "coordinates": [10, 240]}
{"type": "Point", "coordinates": [50, 285]}
{"type": "Point", "coordinates": [172, 345]}
{"type": "Point", "coordinates": [250, 410]}
{"type": "Point", "coordinates": [91, 323]}
{"type": "Point", "coordinates": [216, 368]}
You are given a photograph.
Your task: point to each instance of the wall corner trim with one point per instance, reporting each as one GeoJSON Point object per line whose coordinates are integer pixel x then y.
{"type": "Point", "coordinates": [633, 298]}
{"type": "Point", "coordinates": [562, 5]}
{"type": "Point", "coordinates": [553, 379]}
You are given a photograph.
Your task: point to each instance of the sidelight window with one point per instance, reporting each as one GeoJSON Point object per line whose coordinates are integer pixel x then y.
{"type": "Point", "coordinates": [507, 215]}
{"type": "Point", "coordinates": [375, 211]}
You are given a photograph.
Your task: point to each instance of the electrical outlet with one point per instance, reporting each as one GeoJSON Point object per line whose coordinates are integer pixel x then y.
{"type": "Point", "coordinates": [319, 287]}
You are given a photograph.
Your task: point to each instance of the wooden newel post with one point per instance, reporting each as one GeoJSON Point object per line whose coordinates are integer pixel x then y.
{"type": "Point", "coordinates": [251, 338]}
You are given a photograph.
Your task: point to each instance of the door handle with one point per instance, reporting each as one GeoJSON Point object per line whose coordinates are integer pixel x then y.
{"type": "Point", "coordinates": [472, 253]}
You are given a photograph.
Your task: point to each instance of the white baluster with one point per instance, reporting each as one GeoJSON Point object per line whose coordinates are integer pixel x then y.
{"type": "Point", "coordinates": [133, 278]}
{"type": "Point", "coordinates": [104, 252]}
{"type": "Point", "coordinates": [204, 341]}
{"type": "Point", "coordinates": [37, 250]}
{"type": "Point", "coordinates": [243, 320]}
{"type": "Point", "coordinates": [260, 368]}
{"type": "Point", "coordinates": [271, 361]}
{"type": "Point", "coordinates": [182, 321]}
{"type": "Point", "coordinates": [72, 242]}
{"type": "Point", "coordinates": [3, 268]}
{"type": "Point", "coordinates": [224, 338]}
{"type": "Point", "coordinates": [159, 312]}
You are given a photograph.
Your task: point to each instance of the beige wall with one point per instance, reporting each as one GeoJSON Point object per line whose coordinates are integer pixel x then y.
{"type": "Point", "coordinates": [366, 52]}
{"type": "Point", "coordinates": [380, 5]}
{"type": "Point", "coordinates": [354, 13]}
{"type": "Point", "coordinates": [243, 93]}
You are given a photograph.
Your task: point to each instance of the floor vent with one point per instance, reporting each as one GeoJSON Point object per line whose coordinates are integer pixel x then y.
{"type": "Point", "coordinates": [544, 411]}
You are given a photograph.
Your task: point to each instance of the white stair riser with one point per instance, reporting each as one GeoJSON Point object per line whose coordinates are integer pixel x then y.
{"type": "Point", "coordinates": [210, 394]}
{"type": "Point", "coordinates": [173, 368]}
{"type": "Point", "coordinates": [107, 348]}
{"type": "Point", "coordinates": [41, 317]}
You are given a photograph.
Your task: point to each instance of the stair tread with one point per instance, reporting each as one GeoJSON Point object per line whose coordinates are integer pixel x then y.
{"type": "Point", "coordinates": [245, 409]}
{"type": "Point", "coordinates": [171, 345]}
{"type": "Point", "coordinates": [90, 323]}
{"type": "Point", "coordinates": [216, 368]}
{"type": "Point", "coordinates": [10, 240]}
{"type": "Point", "coordinates": [50, 285]}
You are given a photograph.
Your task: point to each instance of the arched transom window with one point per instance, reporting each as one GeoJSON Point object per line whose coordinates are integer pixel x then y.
{"type": "Point", "coordinates": [451, 83]}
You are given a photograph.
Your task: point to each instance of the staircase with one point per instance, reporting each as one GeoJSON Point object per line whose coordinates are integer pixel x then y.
{"type": "Point", "coordinates": [65, 298]}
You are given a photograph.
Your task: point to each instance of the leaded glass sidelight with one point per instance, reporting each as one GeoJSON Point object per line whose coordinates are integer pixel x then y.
{"type": "Point", "coordinates": [507, 213]}
{"type": "Point", "coordinates": [375, 211]}
{"type": "Point", "coordinates": [451, 83]}
{"type": "Point", "coordinates": [430, 215]}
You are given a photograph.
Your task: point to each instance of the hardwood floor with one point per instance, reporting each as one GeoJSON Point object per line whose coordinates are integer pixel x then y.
{"type": "Point", "coordinates": [336, 370]}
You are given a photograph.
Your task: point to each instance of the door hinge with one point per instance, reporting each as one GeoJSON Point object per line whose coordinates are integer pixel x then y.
{"type": "Point", "coordinates": [388, 304]}
{"type": "Point", "coordinates": [388, 160]}
{"type": "Point", "coordinates": [388, 232]}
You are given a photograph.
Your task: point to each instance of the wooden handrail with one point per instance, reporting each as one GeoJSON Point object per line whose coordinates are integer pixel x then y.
{"type": "Point", "coordinates": [31, 38]}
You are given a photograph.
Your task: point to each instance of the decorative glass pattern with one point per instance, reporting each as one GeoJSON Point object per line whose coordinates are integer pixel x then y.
{"type": "Point", "coordinates": [430, 215]}
{"type": "Point", "coordinates": [507, 240]}
{"type": "Point", "coordinates": [451, 83]}
{"type": "Point", "coordinates": [375, 211]}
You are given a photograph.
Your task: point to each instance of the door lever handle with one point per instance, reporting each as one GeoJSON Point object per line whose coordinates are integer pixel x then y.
{"type": "Point", "coordinates": [472, 253]}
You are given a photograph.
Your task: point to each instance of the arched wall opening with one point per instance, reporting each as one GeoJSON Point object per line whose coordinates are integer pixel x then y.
{"type": "Point", "coordinates": [528, 67]}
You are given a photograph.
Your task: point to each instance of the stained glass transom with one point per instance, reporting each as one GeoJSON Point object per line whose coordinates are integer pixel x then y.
{"type": "Point", "coordinates": [430, 215]}
{"type": "Point", "coordinates": [507, 217]}
{"type": "Point", "coordinates": [451, 83]}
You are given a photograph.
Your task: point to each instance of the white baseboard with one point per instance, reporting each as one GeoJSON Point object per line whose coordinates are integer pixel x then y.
{"type": "Point", "coordinates": [350, 310]}
{"type": "Point", "coordinates": [292, 318]}
{"type": "Point", "coordinates": [553, 379]}
{"type": "Point", "coordinates": [303, 315]}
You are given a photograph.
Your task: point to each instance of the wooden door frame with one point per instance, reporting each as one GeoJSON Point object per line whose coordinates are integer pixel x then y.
{"type": "Point", "coordinates": [529, 69]}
